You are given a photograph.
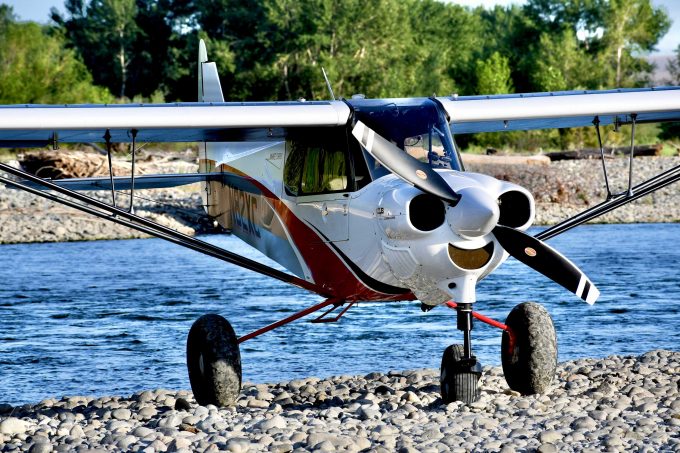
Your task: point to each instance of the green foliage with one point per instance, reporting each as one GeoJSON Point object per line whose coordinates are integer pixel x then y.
{"type": "Point", "coordinates": [493, 75]}
{"type": "Point", "coordinates": [275, 49]}
{"type": "Point", "coordinates": [631, 27]}
{"type": "Point", "coordinates": [38, 68]}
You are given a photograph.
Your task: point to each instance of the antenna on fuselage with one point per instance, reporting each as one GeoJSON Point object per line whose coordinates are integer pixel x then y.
{"type": "Point", "coordinates": [328, 84]}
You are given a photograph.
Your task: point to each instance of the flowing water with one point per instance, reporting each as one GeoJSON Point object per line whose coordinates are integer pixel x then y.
{"type": "Point", "coordinates": [111, 317]}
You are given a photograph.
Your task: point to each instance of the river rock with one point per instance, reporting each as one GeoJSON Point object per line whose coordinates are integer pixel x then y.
{"type": "Point", "coordinates": [13, 425]}
{"type": "Point", "coordinates": [640, 416]}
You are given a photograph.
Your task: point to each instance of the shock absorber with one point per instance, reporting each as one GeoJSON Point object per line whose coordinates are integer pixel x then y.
{"type": "Point", "coordinates": [464, 323]}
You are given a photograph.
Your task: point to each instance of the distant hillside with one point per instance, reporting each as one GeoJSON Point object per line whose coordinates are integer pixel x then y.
{"type": "Point", "coordinates": [660, 76]}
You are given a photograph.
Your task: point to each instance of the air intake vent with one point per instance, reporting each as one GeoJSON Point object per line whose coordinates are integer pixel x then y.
{"type": "Point", "coordinates": [426, 212]}
{"type": "Point", "coordinates": [515, 209]}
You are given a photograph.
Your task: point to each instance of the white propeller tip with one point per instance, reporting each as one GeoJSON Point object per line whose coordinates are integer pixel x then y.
{"type": "Point", "coordinates": [593, 295]}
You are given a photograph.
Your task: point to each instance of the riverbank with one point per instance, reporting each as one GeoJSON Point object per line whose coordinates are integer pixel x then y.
{"type": "Point", "coordinates": [615, 404]}
{"type": "Point", "coordinates": [561, 189]}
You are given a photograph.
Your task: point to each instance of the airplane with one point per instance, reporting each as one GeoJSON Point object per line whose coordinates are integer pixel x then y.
{"type": "Point", "coordinates": [358, 199]}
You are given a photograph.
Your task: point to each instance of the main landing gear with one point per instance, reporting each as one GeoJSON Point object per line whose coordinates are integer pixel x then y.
{"type": "Point", "coordinates": [528, 353]}
{"type": "Point", "coordinates": [214, 361]}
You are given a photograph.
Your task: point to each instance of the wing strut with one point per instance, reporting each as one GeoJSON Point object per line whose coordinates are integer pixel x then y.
{"type": "Point", "coordinates": [123, 217]}
{"type": "Point", "coordinates": [651, 185]}
{"type": "Point", "coordinates": [107, 137]}
{"type": "Point", "coordinates": [596, 122]}
{"type": "Point", "coordinates": [615, 201]}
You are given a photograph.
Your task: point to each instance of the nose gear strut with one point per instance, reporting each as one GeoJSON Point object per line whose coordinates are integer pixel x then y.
{"type": "Point", "coordinates": [460, 370]}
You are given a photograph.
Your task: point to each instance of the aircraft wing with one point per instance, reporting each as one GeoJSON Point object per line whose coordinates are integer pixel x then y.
{"type": "Point", "coordinates": [39, 125]}
{"type": "Point", "coordinates": [473, 114]}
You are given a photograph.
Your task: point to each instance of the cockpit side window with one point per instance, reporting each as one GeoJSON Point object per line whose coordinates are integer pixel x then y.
{"type": "Point", "coordinates": [316, 165]}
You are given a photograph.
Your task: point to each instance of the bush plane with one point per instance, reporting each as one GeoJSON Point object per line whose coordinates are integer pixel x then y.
{"type": "Point", "coordinates": [358, 199]}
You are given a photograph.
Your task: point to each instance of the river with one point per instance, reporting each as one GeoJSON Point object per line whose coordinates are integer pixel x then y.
{"type": "Point", "coordinates": [111, 317]}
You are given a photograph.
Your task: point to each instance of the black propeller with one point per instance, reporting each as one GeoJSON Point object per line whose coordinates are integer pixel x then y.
{"type": "Point", "coordinates": [403, 165]}
{"type": "Point", "coordinates": [544, 259]}
{"type": "Point", "coordinates": [527, 249]}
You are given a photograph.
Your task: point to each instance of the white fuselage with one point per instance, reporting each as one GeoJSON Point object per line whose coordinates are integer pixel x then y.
{"type": "Point", "coordinates": [368, 234]}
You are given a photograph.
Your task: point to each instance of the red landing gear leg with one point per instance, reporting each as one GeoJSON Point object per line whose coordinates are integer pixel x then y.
{"type": "Point", "coordinates": [335, 302]}
{"type": "Point", "coordinates": [214, 358]}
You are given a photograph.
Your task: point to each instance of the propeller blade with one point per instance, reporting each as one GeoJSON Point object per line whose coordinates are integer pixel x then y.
{"type": "Point", "coordinates": [546, 260]}
{"type": "Point", "coordinates": [403, 165]}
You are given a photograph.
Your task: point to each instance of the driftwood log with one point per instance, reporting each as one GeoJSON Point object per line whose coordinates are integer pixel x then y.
{"type": "Point", "coordinates": [72, 164]}
{"type": "Point", "coordinates": [594, 153]}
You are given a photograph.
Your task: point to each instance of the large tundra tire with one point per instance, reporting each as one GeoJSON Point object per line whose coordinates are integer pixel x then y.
{"type": "Point", "coordinates": [530, 357]}
{"type": "Point", "coordinates": [214, 361]}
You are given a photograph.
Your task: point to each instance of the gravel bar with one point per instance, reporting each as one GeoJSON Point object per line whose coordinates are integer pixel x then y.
{"type": "Point", "coordinates": [620, 403]}
{"type": "Point", "coordinates": [562, 189]}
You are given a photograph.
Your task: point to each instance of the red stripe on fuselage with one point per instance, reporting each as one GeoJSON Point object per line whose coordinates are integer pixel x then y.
{"type": "Point", "coordinates": [328, 270]}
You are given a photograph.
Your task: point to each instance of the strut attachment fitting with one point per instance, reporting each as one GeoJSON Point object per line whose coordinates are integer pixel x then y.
{"type": "Point", "coordinates": [323, 317]}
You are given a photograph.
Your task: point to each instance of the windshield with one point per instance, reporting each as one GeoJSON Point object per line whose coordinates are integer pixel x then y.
{"type": "Point", "coordinates": [417, 126]}
{"type": "Point", "coordinates": [429, 148]}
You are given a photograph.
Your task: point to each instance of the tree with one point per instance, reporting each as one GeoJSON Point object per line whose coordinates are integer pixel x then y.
{"type": "Point", "coordinates": [493, 75]}
{"type": "Point", "coordinates": [562, 63]}
{"type": "Point", "coordinates": [39, 69]}
{"type": "Point", "coordinates": [104, 32]}
{"type": "Point", "coordinates": [630, 27]}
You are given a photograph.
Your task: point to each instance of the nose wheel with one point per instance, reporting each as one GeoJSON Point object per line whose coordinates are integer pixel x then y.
{"type": "Point", "coordinates": [460, 370]}
{"type": "Point", "coordinates": [528, 353]}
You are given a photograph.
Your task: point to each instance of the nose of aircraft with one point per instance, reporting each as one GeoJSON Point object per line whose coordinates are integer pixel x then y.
{"type": "Point", "coordinates": [475, 215]}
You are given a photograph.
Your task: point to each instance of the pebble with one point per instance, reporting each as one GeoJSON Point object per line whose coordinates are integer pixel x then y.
{"type": "Point", "coordinates": [13, 426]}
{"type": "Point", "coordinates": [121, 414]}
{"type": "Point", "coordinates": [396, 411]}
{"type": "Point", "coordinates": [182, 405]}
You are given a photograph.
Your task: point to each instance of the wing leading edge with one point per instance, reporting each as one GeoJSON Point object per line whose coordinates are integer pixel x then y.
{"type": "Point", "coordinates": [473, 114]}
{"type": "Point", "coordinates": [39, 125]}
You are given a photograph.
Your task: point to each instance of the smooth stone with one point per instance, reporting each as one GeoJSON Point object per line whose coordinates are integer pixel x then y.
{"type": "Point", "coordinates": [550, 436]}
{"type": "Point", "coordinates": [77, 432]}
{"type": "Point", "coordinates": [125, 441]}
{"type": "Point", "coordinates": [121, 414]}
{"type": "Point", "coordinates": [238, 445]}
{"type": "Point", "coordinates": [257, 404]}
{"type": "Point", "coordinates": [171, 421]}
{"type": "Point", "coordinates": [40, 447]}
{"type": "Point", "coordinates": [142, 432]}
{"type": "Point", "coordinates": [368, 414]}
{"type": "Point", "coordinates": [13, 426]}
{"type": "Point", "coordinates": [178, 444]}
{"type": "Point", "coordinates": [275, 422]}
{"type": "Point", "coordinates": [147, 412]}
{"type": "Point", "coordinates": [586, 423]}
{"type": "Point", "coordinates": [157, 445]}
{"type": "Point", "coordinates": [182, 405]}
{"type": "Point", "coordinates": [547, 448]}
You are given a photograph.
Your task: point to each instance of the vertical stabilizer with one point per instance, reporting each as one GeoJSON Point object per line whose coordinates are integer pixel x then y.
{"type": "Point", "coordinates": [209, 88]}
